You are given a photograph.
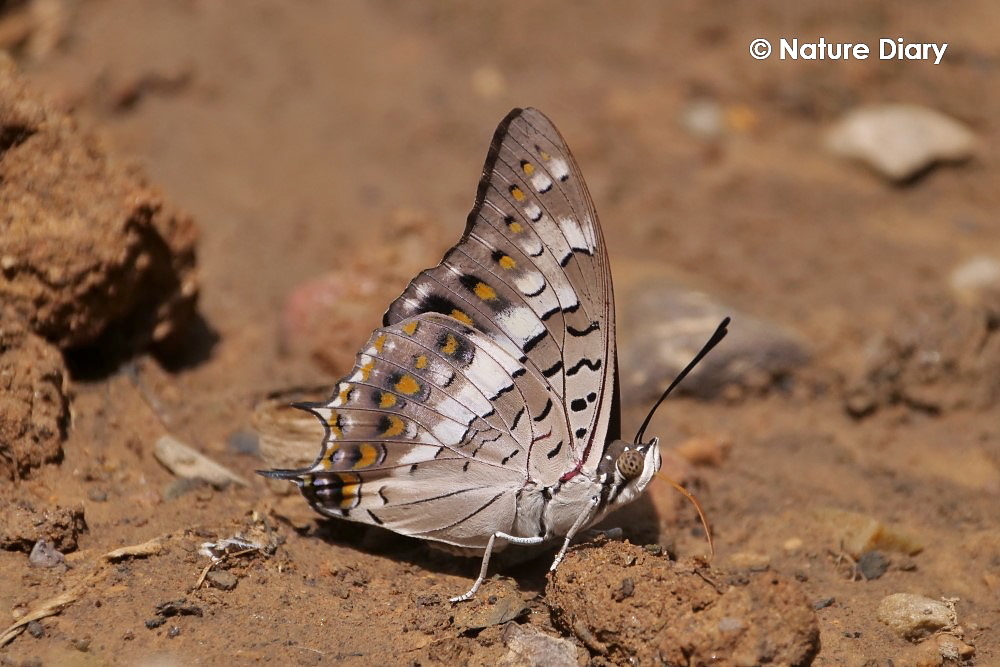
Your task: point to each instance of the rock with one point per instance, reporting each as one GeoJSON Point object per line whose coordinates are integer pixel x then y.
{"type": "Point", "coordinates": [289, 437]}
{"type": "Point", "coordinates": [857, 533]}
{"type": "Point", "coordinates": [222, 580]}
{"type": "Point", "coordinates": [704, 119]}
{"type": "Point", "coordinates": [497, 602]}
{"type": "Point", "coordinates": [674, 323]}
{"type": "Point", "coordinates": [189, 463]}
{"type": "Point", "coordinates": [34, 408]}
{"type": "Point", "coordinates": [23, 526]}
{"type": "Point", "coordinates": [36, 629]}
{"type": "Point", "coordinates": [689, 614]}
{"type": "Point", "coordinates": [527, 646]}
{"type": "Point", "coordinates": [244, 441]}
{"type": "Point", "coordinates": [914, 617]}
{"type": "Point", "coordinates": [44, 554]}
{"type": "Point", "coordinates": [900, 141]}
{"type": "Point", "coordinates": [872, 565]}
{"type": "Point", "coordinates": [748, 560]}
{"type": "Point", "coordinates": [976, 282]}
{"type": "Point", "coordinates": [86, 244]}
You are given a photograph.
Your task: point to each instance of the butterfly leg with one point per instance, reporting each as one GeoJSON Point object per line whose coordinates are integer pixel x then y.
{"type": "Point", "coordinates": [486, 561]}
{"type": "Point", "coordinates": [577, 525]}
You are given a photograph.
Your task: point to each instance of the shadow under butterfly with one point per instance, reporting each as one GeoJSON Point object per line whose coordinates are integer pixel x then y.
{"type": "Point", "coordinates": [486, 410]}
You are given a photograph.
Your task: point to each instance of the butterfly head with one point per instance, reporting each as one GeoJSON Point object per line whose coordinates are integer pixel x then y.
{"type": "Point", "coordinates": [627, 468]}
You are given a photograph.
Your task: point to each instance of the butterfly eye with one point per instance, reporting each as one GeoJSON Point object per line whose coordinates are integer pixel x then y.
{"type": "Point", "coordinates": [630, 463]}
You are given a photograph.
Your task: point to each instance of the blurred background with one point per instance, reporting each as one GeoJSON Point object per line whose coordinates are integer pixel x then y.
{"type": "Point", "coordinates": [846, 209]}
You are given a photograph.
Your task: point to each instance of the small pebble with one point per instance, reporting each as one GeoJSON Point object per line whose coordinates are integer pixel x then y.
{"type": "Point", "coordinates": [174, 631]}
{"type": "Point", "coordinates": [976, 282]}
{"type": "Point", "coordinates": [746, 560]}
{"type": "Point", "coordinates": [155, 622]}
{"type": "Point", "coordinates": [222, 580]}
{"type": "Point", "coordinates": [823, 603]}
{"type": "Point", "coordinates": [915, 616]}
{"type": "Point", "coordinates": [97, 495]}
{"type": "Point", "coordinates": [36, 629]}
{"type": "Point", "coordinates": [43, 554]}
{"type": "Point", "coordinates": [245, 442]}
{"type": "Point", "coordinates": [872, 565]}
{"type": "Point", "coordinates": [82, 645]}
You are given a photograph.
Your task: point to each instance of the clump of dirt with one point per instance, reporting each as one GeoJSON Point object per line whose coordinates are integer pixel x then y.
{"type": "Point", "coordinates": [25, 524]}
{"type": "Point", "coordinates": [627, 604]}
{"type": "Point", "coordinates": [85, 242]}
{"type": "Point", "coordinates": [945, 358]}
{"type": "Point", "coordinates": [34, 408]}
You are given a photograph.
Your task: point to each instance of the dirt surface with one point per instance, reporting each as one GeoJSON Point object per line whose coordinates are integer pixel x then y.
{"type": "Point", "coordinates": [329, 150]}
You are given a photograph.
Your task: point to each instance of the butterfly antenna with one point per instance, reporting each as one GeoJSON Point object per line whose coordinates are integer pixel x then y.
{"type": "Point", "coordinates": [716, 338]}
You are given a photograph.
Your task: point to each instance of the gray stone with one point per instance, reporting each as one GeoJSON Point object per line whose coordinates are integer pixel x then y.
{"type": "Point", "coordinates": [672, 323]}
{"type": "Point", "coordinates": [899, 141]}
{"type": "Point", "coordinates": [43, 554]}
{"type": "Point", "coordinates": [528, 646]}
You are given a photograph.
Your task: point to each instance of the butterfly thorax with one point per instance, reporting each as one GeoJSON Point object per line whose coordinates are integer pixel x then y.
{"type": "Point", "coordinates": [623, 473]}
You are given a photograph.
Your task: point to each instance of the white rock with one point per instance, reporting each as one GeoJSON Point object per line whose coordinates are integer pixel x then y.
{"type": "Point", "coordinates": [899, 140]}
{"type": "Point", "coordinates": [914, 617]}
{"type": "Point", "coordinates": [977, 281]}
{"type": "Point", "coordinates": [189, 463]}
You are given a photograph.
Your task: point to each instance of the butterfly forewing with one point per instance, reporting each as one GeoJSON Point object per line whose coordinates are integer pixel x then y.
{"type": "Point", "coordinates": [531, 272]}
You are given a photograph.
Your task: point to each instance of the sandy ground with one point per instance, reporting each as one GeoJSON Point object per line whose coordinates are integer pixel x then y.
{"type": "Point", "coordinates": [295, 133]}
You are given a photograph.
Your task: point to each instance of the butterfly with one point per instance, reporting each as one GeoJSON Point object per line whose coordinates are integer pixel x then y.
{"type": "Point", "coordinates": [486, 409]}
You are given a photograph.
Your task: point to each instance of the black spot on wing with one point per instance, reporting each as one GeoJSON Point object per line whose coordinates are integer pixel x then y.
{"type": "Point", "coordinates": [555, 368]}
{"type": "Point", "coordinates": [535, 340]}
{"type": "Point", "coordinates": [517, 419]}
{"type": "Point", "coordinates": [594, 326]}
{"type": "Point", "coordinates": [578, 405]}
{"type": "Point", "coordinates": [554, 452]}
{"type": "Point", "coordinates": [592, 365]}
{"type": "Point", "coordinates": [545, 411]}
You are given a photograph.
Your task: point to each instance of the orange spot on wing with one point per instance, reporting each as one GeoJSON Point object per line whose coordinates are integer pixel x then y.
{"type": "Point", "coordinates": [396, 427]}
{"type": "Point", "coordinates": [334, 423]}
{"type": "Point", "coordinates": [528, 168]}
{"type": "Point", "coordinates": [380, 343]}
{"type": "Point", "coordinates": [461, 316]}
{"type": "Point", "coordinates": [369, 455]}
{"type": "Point", "coordinates": [410, 328]}
{"type": "Point", "coordinates": [421, 361]}
{"type": "Point", "coordinates": [408, 385]}
{"type": "Point", "coordinates": [366, 370]}
{"type": "Point", "coordinates": [387, 400]}
{"type": "Point", "coordinates": [507, 262]}
{"type": "Point", "coordinates": [485, 292]}
{"type": "Point", "coordinates": [517, 193]}
{"type": "Point", "coordinates": [450, 346]}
